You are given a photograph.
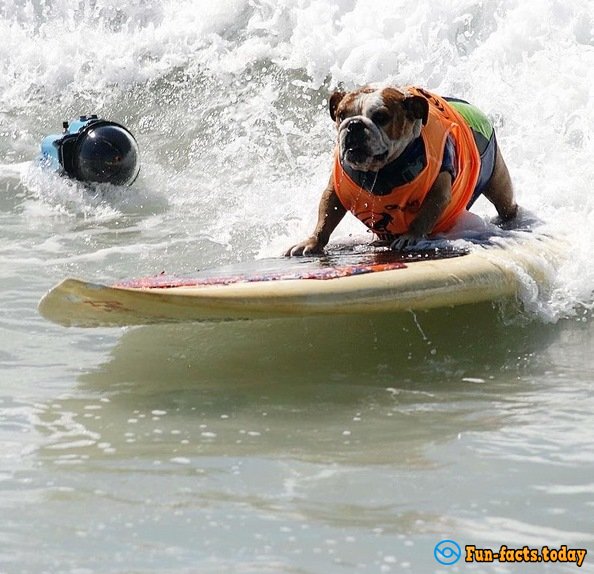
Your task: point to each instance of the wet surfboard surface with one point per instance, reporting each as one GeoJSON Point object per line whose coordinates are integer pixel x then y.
{"type": "Point", "coordinates": [362, 282]}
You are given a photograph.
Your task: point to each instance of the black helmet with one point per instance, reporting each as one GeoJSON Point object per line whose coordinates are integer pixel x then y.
{"type": "Point", "coordinates": [105, 152]}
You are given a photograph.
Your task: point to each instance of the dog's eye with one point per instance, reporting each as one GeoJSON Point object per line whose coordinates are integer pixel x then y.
{"type": "Point", "coordinates": [380, 117]}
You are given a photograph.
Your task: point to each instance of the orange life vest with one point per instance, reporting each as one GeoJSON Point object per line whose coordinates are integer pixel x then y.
{"type": "Point", "coordinates": [392, 214]}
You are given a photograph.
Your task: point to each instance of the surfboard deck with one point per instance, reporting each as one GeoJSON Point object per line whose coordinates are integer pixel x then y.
{"type": "Point", "coordinates": [380, 281]}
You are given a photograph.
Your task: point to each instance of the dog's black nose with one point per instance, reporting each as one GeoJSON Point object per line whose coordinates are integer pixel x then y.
{"type": "Point", "coordinates": [355, 133]}
{"type": "Point", "coordinates": [355, 127]}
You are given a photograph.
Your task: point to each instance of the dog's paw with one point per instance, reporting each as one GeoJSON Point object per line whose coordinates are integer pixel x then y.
{"type": "Point", "coordinates": [404, 241]}
{"type": "Point", "coordinates": [310, 246]}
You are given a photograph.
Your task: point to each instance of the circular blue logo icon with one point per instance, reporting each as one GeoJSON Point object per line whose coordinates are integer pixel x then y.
{"type": "Point", "coordinates": [447, 552]}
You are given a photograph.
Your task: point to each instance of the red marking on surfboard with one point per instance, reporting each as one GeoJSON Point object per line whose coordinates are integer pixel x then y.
{"type": "Point", "coordinates": [108, 306]}
{"type": "Point", "coordinates": [324, 273]}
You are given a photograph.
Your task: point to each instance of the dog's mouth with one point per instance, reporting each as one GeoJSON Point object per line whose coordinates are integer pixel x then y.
{"type": "Point", "coordinates": [360, 158]}
{"type": "Point", "coordinates": [381, 156]}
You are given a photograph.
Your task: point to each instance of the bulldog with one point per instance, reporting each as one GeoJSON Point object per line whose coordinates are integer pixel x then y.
{"type": "Point", "coordinates": [407, 164]}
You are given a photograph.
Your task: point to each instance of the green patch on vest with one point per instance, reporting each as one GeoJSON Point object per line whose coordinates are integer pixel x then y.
{"type": "Point", "coordinates": [476, 119]}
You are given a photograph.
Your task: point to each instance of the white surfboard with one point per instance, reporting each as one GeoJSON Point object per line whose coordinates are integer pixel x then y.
{"type": "Point", "coordinates": [291, 287]}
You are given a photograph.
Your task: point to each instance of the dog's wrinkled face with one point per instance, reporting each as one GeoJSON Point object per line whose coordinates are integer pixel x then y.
{"type": "Point", "coordinates": [376, 124]}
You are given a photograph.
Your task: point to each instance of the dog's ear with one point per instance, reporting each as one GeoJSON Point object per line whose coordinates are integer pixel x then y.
{"type": "Point", "coordinates": [416, 107]}
{"type": "Point", "coordinates": [335, 99]}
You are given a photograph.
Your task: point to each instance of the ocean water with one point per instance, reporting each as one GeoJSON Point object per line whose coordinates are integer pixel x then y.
{"type": "Point", "coordinates": [306, 445]}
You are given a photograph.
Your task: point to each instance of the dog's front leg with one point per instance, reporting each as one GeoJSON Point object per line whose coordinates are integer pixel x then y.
{"type": "Point", "coordinates": [436, 200]}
